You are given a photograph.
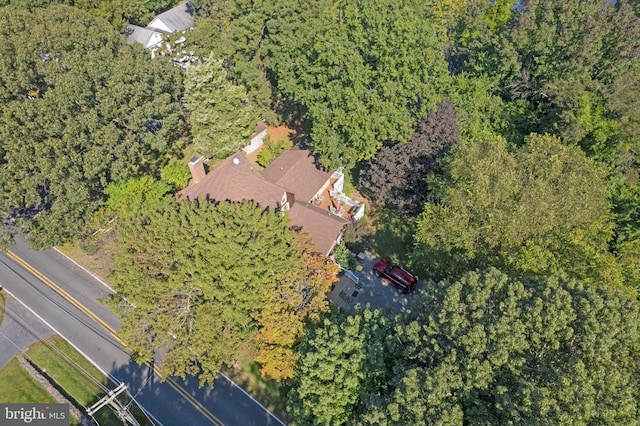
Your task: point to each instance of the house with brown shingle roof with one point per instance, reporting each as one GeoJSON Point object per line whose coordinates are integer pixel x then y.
{"type": "Point", "coordinates": [325, 229]}
{"type": "Point", "coordinates": [292, 183]}
{"type": "Point", "coordinates": [235, 179]}
{"type": "Point", "coordinates": [296, 170]}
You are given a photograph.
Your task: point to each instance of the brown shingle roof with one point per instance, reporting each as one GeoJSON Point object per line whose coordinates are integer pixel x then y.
{"type": "Point", "coordinates": [323, 226]}
{"type": "Point", "coordinates": [296, 171]}
{"type": "Point", "coordinates": [235, 179]}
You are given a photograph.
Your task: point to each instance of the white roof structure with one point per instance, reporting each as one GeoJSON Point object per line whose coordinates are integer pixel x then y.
{"type": "Point", "coordinates": [180, 18]}
{"type": "Point", "coordinates": [146, 37]}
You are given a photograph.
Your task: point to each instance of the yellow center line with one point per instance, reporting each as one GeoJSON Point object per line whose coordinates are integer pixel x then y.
{"type": "Point", "coordinates": [198, 406]}
{"type": "Point", "coordinates": [194, 402]}
{"type": "Point", "coordinates": [66, 295]}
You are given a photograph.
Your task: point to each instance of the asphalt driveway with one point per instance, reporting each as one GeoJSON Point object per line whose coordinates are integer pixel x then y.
{"type": "Point", "coordinates": [374, 291]}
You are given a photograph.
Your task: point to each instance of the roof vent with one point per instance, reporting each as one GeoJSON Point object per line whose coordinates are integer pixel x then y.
{"type": "Point", "coordinates": [236, 161]}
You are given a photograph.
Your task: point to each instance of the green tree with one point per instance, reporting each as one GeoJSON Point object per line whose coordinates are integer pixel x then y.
{"type": "Point", "coordinates": [484, 349]}
{"type": "Point", "coordinates": [541, 208]}
{"type": "Point", "coordinates": [366, 72]}
{"type": "Point", "coordinates": [561, 61]}
{"type": "Point", "coordinates": [176, 173]}
{"type": "Point", "coordinates": [221, 116]}
{"type": "Point", "coordinates": [79, 109]}
{"type": "Point", "coordinates": [271, 150]}
{"type": "Point", "coordinates": [239, 32]}
{"type": "Point", "coordinates": [360, 72]}
{"type": "Point", "coordinates": [338, 365]}
{"type": "Point", "coordinates": [122, 12]}
{"type": "Point", "coordinates": [564, 68]}
{"type": "Point", "coordinates": [488, 349]}
{"type": "Point", "coordinates": [342, 256]}
{"type": "Point", "coordinates": [118, 12]}
{"type": "Point", "coordinates": [134, 195]}
{"type": "Point", "coordinates": [204, 284]}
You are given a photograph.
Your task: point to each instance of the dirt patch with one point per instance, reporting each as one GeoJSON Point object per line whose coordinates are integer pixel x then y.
{"type": "Point", "coordinates": [101, 263]}
{"type": "Point", "coordinates": [279, 133]}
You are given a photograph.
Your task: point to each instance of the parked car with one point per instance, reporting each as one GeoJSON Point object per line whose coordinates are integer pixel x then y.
{"type": "Point", "coordinates": [395, 274]}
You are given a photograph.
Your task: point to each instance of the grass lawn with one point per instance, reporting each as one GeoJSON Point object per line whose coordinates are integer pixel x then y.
{"type": "Point", "coordinates": [393, 236]}
{"type": "Point", "coordinates": [63, 370]}
{"type": "Point", "coordinates": [17, 386]}
{"type": "Point", "coordinates": [270, 393]}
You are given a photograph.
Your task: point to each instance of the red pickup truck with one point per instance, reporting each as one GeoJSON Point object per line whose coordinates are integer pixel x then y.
{"type": "Point", "coordinates": [399, 277]}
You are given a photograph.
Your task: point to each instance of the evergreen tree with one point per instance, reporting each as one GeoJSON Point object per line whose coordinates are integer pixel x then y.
{"type": "Point", "coordinates": [222, 117]}
{"type": "Point", "coordinates": [205, 284]}
{"type": "Point", "coordinates": [339, 364]}
{"type": "Point", "coordinates": [492, 350]}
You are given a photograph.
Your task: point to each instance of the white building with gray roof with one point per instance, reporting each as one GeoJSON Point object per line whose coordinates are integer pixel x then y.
{"type": "Point", "coordinates": [178, 19]}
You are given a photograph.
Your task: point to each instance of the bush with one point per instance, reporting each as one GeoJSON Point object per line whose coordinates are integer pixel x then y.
{"type": "Point", "coordinates": [343, 257]}
{"type": "Point", "coordinates": [176, 173]}
{"type": "Point", "coordinates": [272, 150]}
{"type": "Point", "coordinates": [90, 244]}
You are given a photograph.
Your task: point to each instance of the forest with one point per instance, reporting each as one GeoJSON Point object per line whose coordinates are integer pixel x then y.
{"type": "Point", "coordinates": [504, 133]}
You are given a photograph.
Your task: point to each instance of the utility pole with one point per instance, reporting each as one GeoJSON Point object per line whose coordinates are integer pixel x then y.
{"type": "Point", "coordinates": [111, 399]}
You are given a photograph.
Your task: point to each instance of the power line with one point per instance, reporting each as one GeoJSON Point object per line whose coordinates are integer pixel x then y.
{"type": "Point", "coordinates": [63, 306]}
{"type": "Point", "coordinates": [14, 315]}
{"type": "Point", "coordinates": [119, 409]}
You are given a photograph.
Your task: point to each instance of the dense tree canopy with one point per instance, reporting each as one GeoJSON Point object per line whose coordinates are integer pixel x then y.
{"type": "Point", "coordinates": [80, 108]}
{"type": "Point", "coordinates": [339, 364]}
{"type": "Point", "coordinates": [491, 350]}
{"type": "Point", "coordinates": [118, 12]}
{"type": "Point", "coordinates": [122, 12]}
{"type": "Point", "coordinates": [366, 72]}
{"type": "Point", "coordinates": [543, 207]}
{"type": "Point", "coordinates": [131, 196]}
{"type": "Point", "coordinates": [239, 32]}
{"type": "Point", "coordinates": [536, 173]}
{"type": "Point", "coordinates": [397, 177]}
{"type": "Point", "coordinates": [486, 349]}
{"type": "Point", "coordinates": [566, 68]}
{"type": "Point", "coordinates": [363, 72]}
{"type": "Point", "coordinates": [205, 284]}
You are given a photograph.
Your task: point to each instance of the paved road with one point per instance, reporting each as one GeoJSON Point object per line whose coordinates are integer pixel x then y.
{"type": "Point", "coordinates": [29, 276]}
{"type": "Point", "coordinates": [19, 329]}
